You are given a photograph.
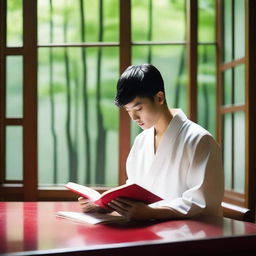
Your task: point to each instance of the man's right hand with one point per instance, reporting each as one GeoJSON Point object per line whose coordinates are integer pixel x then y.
{"type": "Point", "coordinates": [87, 206]}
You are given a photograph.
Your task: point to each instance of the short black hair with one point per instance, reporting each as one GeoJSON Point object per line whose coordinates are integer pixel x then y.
{"type": "Point", "coordinates": [143, 81]}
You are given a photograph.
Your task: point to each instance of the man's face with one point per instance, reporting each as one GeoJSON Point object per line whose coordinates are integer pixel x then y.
{"type": "Point", "coordinates": [143, 111]}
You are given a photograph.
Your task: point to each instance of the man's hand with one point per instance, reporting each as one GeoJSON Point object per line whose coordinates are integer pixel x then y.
{"type": "Point", "coordinates": [131, 209]}
{"type": "Point", "coordinates": [87, 206]}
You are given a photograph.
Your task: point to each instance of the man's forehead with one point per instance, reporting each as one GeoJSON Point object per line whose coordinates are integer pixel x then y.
{"type": "Point", "coordinates": [137, 101]}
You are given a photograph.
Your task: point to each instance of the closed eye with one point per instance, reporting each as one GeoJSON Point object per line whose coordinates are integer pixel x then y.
{"type": "Point", "coordinates": [138, 109]}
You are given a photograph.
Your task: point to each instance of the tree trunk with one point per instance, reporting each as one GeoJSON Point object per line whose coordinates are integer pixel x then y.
{"type": "Point", "coordinates": [181, 69]}
{"type": "Point", "coordinates": [101, 131]}
{"type": "Point", "coordinates": [52, 103]}
{"type": "Point", "coordinates": [178, 84]}
{"type": "Point", "coordinates": [85, 101]}
{"type": "Point", "coordinates": [72, 154]}
{"type": "Point", "coordinates": [205, 95]}
{"type": "Point", "coordinates": [76, 123]}
{"type": "Point", "coordinates": [150, 18]}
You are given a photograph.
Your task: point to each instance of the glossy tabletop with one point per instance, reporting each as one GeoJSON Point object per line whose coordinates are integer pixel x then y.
{"type": "Point", "coordinates": [32, 228]}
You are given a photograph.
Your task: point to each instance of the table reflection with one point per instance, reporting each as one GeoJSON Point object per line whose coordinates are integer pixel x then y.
{"type": "Point", "coordinates": [34, 226]}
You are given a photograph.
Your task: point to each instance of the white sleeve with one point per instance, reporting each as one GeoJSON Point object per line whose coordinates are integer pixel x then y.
{"type": "Point", "coordinates": [205, 182]}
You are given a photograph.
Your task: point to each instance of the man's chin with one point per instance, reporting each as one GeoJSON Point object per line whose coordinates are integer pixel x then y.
{"type": "Point", "coordinates": [145, 127]}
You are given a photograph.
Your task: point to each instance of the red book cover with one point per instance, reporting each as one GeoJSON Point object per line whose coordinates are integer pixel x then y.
{"type": "Point", "coordinates": [131, 191]}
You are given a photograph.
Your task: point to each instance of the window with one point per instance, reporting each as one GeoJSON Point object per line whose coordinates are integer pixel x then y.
{"type": "Point", "coordinates": [235, 116]}
{"type": "Point", "coordinates": [233, 95]}
{"type": "Point", "coordinates": [206, 74]}
{"type": "Point", "coordinates": [58, 78]}
{"type": "Point", "coordinates": [78, 64]}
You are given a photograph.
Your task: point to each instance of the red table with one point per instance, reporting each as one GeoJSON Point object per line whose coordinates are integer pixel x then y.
{"type": "Point", "coordinates": [31, 228]}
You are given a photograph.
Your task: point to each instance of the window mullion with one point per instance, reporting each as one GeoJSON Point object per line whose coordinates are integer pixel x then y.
{"type": "Point", "coordinates": [30, 100]}
{"type": "Point", "coordinates": [125, 61]}
{"type": "Point", "coordinates": [192, 41]}
{"type": "Point", "coordinates": [250, 95]}
{"type": "Point", "coordinates": [2, 88]}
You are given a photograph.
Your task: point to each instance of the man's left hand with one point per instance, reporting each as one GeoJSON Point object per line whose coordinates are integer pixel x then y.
{"type": "Point", "coordinates": [131, 209]}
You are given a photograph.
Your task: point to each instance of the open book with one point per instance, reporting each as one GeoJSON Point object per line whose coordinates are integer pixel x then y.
{"type": "Point", "coordinates": [93, 218]}
{"type": "Point", "coordinates": [130, 191]}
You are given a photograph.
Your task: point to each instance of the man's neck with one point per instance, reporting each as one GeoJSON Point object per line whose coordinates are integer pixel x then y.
{"type": "Point", "coordinates": [163, 122]}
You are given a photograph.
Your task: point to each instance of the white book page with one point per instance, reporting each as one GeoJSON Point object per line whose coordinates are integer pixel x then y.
{"type": "Point", "coordinates": [93, 194]}
{"type": "Point", "coordinates": [92, 218]}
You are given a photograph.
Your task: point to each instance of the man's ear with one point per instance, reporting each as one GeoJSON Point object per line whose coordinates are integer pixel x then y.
{"type": "Point", "coordinates": [160, 97]}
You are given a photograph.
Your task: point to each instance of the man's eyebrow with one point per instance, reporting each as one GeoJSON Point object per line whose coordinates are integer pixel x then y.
{"type": "Point", "coordinates": [135, 105]}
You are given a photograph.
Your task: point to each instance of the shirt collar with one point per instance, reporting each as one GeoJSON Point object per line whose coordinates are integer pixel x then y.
{"type": "Point", "coordinates": [175, 125]}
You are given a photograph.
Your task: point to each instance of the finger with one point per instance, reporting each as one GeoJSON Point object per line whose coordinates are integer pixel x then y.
{"type": "Point", "coordinates": [84, 204]}
{"type": "Point", "coordinates": [89, 208]}
{"type": "Point", "coordinates": [84, 200]}
{"type": "Point", "coordinates": [121, 211]}
{"type": "Point", "coordinates": [125, 201]}
{"type": "Point", "coordinates": [117, 207]}
{"type": "Point", "coordinates": [121, 205]}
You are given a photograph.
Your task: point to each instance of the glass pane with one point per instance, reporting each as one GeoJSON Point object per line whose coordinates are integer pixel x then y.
{"type": "Point", "coordinates": [14, 153]}
{"type": "Point", "coordinates": [207, 88]}
{"type": "Point", "coordinates": [239, 152]}
{"type": "Point", "coordinates": [76, 112]}
{"type": "Point", "coordinates": [160, 20]}
{"type": "Point", "coordinates": [14, 86]}
{"type": "Point", "coordinates": [206, 21]}
{"type": "Point", "coordinates": [14, 23]}
{"type": "Point", "coordinates": [111, 20]}
{"type": "Point", "coordinates": [227, 88]}
{"type": "Point", "coordinates": [239, 29]}
{"type": "Point", "coordinates": [239, 85]}
{"type": "Point", "coordinates": [227, 30]}
{"type": "Point", "coordinates": [227, 150]}
{"type": "Point", "coordinates": [61, 21]}
{"type": "Point", "coordinates": [171, 62]}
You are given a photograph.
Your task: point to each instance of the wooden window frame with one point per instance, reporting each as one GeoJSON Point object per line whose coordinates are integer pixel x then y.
{"type": "Point", "coordinates": [250, 96]}
{"type": "Point", "coordinates": [28, 190]}
{"type": "Point", "coordinates": [248, 198]}
{"type": "Point", "coordinates": [125, 59]}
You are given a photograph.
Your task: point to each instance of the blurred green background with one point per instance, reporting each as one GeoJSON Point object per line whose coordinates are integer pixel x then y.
{"type": "Point", "coordinates": [77, 120]}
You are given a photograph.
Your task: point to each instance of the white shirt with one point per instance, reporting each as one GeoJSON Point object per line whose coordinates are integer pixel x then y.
{"type": "Point", "coordinates": [186, 170]}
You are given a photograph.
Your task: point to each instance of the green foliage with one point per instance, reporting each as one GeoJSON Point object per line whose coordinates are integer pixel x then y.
{"type": "Point", "coordinates": [14, 5]}
{"type": "Point", "coordinates": [206, 20]}
{"type": "Point", "coordinates": [110, 115]}
{"type": "Point", "coordinates": [14, 23]}
{"type": "Point", "coordinates": [58, 88]}
{"type": "Point", "coordinates": [169, 24]}
{"type": "Point", "coordinates": [108, 89]}
{"type": "Point", "coordinates": [168, 20]}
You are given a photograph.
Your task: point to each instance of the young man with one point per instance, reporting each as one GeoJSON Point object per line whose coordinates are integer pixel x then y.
{"type": "Point", "coordinates": [173, 157]}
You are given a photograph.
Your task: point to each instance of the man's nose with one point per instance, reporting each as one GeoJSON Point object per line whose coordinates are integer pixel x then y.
{"type": "Point", "coordinates": [134, 116]}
